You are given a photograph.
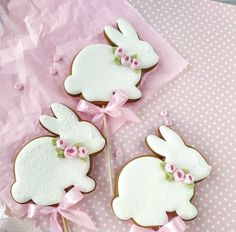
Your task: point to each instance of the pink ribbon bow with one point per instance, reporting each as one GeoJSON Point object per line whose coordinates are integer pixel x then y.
{"type": "Point", "coordinates": [64, 209]}
{"type": "Point", "coordinates": [115, 110]}
{"type": "Point", "coordinates": [174, 225]}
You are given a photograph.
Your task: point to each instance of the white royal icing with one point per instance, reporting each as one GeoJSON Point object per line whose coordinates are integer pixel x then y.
{"type": "Point", "coordinates": [97, 76]}
{"type": "Point", "coordinates": [145, 195]}
{"type": "Point", "coordinates": [43, 177]}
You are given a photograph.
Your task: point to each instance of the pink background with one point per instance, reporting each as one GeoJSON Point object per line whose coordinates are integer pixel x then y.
{"type": "Point", "coordinates": [201, 102]}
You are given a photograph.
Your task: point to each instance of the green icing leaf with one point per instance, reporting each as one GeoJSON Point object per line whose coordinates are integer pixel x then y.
{"type": "Point", "coordinates": [134, 56]}
{"type": "Point", "coordinates": [190, 185]}
{"type": "Point", "coordinates": [113, 49]}
{"type": "Point", "coordinates": [78, 145]}
{"type": "Point", "coordinates": [117, 60]}
{"type": "Point", "coordinates": [60, 153]}
{"type": "Point", "coordinates": [169, 177]}
{"type": "Point", "coordinates": [137, 70]}
{"type": "Point", "coordinates": [54, 141]}
{"type": "Point", "coordinates": [162, 165]}
{"type": "Point", "coordinates": [60, 156]}
{"type": "Point", "coordinates": [185, 170]}
{"type": "Point", "coordinates": [84, 159]}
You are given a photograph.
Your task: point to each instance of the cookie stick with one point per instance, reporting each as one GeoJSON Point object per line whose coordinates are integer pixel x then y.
{"type": "Point", "coordinates": [108, 154]}
{"type": "Point", "coordinates": [65, 224]}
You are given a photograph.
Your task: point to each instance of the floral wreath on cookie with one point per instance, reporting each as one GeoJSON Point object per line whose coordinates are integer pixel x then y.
{"type": "Point", "coordinates": [71, 151]}
{"type": "Point", "coordinates": [172, 173]}
{"type": "Point", "coordinates": [121, 58]}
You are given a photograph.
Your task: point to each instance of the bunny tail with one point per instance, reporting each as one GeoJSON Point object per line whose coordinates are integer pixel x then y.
{"type": "Point", "coordinates": [121, 209]}
{"type": "Point", "coordinates": [19, 193]}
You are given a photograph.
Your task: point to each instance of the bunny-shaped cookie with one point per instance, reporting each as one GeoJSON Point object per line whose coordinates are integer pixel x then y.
{"type": "Point", "coordinates": [47, 165]}
{"type": "Point", "coordinates": [96, 76]}
{"type": "Point", "coordinates": [149, 187]}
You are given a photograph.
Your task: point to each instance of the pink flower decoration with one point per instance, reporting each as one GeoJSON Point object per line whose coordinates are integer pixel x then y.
{"type": "Point", "coordinates": [71, 152]}
{"type": "Point", "coordinates": [126, 60]}
{"type": "Point", "coordinates": [135, 64]}
{"type": "Point", "coordinates": [119, 152]}
{"type": "Point", "coordinates": [171, 168]}
{"type": "Point", "coordinates": [119, 52]}
{"type": "Point", "coordinates": [179, 175]}
{"type": "Point", "coordinates": [83, 152]}
{"type": "Point", "coordinates": [19, 86]}
{"type": "Point", "coordinates": [57, 58]}
{"type": "Point", "coordinates": [53, 71]}
{"type": "Point", "coordinates": [188, 179]}
{"type": "Point", "coordinates": [168, 122]}
{"type": "Point", "coordinates": [164, 113]}
{"type": "Point", "coordinates": [62, 144]}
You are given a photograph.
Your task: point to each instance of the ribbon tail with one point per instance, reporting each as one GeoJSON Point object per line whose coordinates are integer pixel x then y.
{"type": "Point", "coordinates": [87, 107]}
{"type": "Point", "coordinates": [78, 217]}
{"type": "Point", "coordinates": [32, 209]}
{"type": "Point", "coordinates": [72, 197]}
{"type": "Point", "coordinates": [176, 224]}
{"type": "Point", "coordinates": [117, 100]}
{"type": "Point", "coordinates": [98, 120]}
{"type": "Point", "coordinates": [54, 225]}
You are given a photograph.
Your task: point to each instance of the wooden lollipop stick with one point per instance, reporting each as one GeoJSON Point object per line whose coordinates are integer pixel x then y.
{"type": "Point", "coordinates": [65, 225]}
{"type": "Point", "coordinates": [108, 155]}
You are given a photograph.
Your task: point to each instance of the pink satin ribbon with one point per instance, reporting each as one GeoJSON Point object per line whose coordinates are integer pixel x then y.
{"type": "Point", "coordinates": [64, 209]}
{"type": "Point", "coordinates": [174, 225]}
{"type": "Point", "coordinates": [114, 109]}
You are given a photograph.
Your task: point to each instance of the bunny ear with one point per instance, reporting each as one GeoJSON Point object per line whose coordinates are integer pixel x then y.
{"type": "Point", "coordinates": [63, 113]}
{"type": "Point", "coordinates": [113, 34]}
{"type": "Point", "coordinates": [127, 29]}
{"type": "Point", "coordinates": [50, 123]}
{"type": "Point", "coordinates": [171, 136]}
{"type": "Point", "coordinates": [158, 145]}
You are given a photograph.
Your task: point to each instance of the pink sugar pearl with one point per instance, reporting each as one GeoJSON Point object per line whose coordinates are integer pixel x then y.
{"type": "Point", "coordinates": [164, 113]}
{"type": "Point", "coordinates": [19, 86]}
{"type": "Point", "coordinates": [168, 122]}
{"type": "Point", "coordinates": [53, 71]}
{"type": "Point", "coordinates": [57, 58]}
{"type": "Point", "coordinates": [119, 152]}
